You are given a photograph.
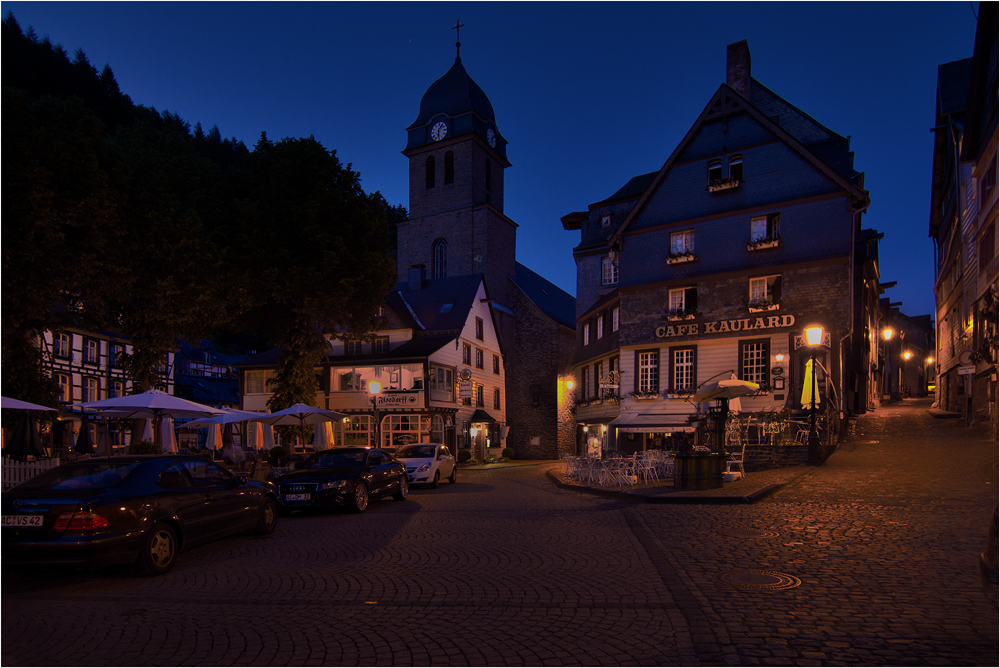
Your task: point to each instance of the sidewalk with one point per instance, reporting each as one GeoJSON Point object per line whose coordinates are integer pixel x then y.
{"type": "Point", "coordinates": [748, 489]}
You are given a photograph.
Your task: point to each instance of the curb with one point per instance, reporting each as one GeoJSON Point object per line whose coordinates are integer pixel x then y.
{"type": "Point", "coordinates": [752, 497]}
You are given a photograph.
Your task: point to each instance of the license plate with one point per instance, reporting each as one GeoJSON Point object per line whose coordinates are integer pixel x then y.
{"type": "Point", "coordinates": [296, 497]}
{"type": "Point", "coordinates": [22, 520]}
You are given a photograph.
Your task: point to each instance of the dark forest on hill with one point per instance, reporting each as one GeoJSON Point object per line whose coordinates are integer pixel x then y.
{"type": "Point", "coordinates": [121, 218]}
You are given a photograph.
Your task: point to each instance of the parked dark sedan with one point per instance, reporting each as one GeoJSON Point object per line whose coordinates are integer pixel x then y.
{"type": "Point", "coordinates": [130, 509]}
{"type": "Point", "coordinates": [342, 477]}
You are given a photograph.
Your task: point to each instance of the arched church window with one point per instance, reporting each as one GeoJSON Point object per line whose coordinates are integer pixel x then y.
{"type": "Point", "coordinates": [440, 268]}
{"type": "Point", "coordinates": [449, 167]}
{"type": "Point", "coordinates": [430, 171]}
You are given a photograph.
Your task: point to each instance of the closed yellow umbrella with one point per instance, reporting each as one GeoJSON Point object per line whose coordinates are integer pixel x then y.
{"type": "Point", "coordinates": [810, 387]}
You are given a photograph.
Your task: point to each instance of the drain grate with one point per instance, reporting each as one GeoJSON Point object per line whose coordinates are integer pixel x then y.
{"type": "Point", "coordinates": [748, 532]}
{"type": "Point", "coordinates": [758, 580]}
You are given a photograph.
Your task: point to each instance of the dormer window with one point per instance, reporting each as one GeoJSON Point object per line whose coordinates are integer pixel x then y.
{"type": "Point", "coordinates": [606, 220]}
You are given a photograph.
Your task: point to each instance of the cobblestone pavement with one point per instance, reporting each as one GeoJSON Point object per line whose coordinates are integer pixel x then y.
{"type": "Point", "coordinates": [870, 559]}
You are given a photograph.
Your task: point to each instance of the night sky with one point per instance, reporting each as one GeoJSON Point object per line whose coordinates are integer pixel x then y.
{"type": "Point", "coordinates": [587, 94]}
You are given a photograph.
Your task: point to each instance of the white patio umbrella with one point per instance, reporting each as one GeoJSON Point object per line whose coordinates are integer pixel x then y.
{"type": "Point", "coordinates": [168, 442]}
{"type": "Point", "coordinates": [723, 391]}
{"type": "Point", "coordinates": [323, 436]}
{"type": "Point", "coordinates": [149, 404]}
{"type": "Point", "coordinates": [7, 402]}
{"type": "Point", "coordinates": [300, 415]}
{"type": "Point", "coordinates": [213, 440]}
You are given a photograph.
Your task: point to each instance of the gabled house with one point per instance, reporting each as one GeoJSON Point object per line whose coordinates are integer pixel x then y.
{"type": "Point", "coordinates": [438, 362]}
{"type": "Point", "coordinates": [712, 266]}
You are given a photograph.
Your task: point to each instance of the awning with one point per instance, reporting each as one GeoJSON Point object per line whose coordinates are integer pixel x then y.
{"type": "Point", "coordinates": [481, 416]}
{"type": "Point", "coordinates": [652, 424]}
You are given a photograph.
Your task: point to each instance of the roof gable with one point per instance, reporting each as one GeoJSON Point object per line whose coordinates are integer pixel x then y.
{"type": "Point", "coordinates": [727, 102]}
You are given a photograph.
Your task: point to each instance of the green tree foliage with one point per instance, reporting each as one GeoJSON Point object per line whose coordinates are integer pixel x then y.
{"type": "Point", "coordinates": [319, 251]}
{"type": "Point", "coordinates": [128, 222]}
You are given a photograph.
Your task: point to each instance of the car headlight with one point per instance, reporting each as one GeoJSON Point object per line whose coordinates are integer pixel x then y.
{"type": "Point", "coordinates": [423, 467]}
{"type": "Point", "coordinates": [333, 484]}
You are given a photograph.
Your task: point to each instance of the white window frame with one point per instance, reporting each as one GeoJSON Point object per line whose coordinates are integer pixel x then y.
{"type": "Point", "coordinates": [676, 297]}
{"type": "Point", "coordinates": [615, 319]}
{"type": "Point", "coordinates": [61, 344]}
{"type": "Point", "coordinates": [586, 334]}
{"type": "Point", "coordinates": [682, 242]}
{"type": "Point", "coordinates": [649, 371]}
{"type": "Point", "coordinates": [760, 288]}
{"type": "Point", "coordinates": [754, 359]}
{"type": "Point", "coordinates": [609, 271]}
{"type": "Point", "coordinates": [600, 327]}
{"type": "Point", "coordinates": [683, 369]}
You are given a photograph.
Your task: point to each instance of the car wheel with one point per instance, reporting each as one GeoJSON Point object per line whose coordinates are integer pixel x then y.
{"type": "Point", "coordinates": [159, 550]}
{"type": "Point", "coordinates": [437, 478]}
{"type": "Point", "coordinates": [268, 520]}
{"type": "Point", "coordinates": [453, 478]}
{"type": "Point", "coordinates": [404, 489]}
{"type": "Point", "coordinates": [360, 499]}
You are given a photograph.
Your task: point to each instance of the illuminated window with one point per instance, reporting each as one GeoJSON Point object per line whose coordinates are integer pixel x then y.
{"type": "Point", "coordinates": [65, 394]}
{"type": "Point", "coordinates": [765, 290]}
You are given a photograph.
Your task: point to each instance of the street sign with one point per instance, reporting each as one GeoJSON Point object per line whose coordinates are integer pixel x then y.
{"type": "Point", "coordinates": [966, 370]}
{"type": "Point", "coordinates": [465, 389]}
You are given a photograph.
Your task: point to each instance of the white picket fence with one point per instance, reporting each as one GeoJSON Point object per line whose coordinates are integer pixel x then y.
{"type": "Point", "coordinates": [15, 472]}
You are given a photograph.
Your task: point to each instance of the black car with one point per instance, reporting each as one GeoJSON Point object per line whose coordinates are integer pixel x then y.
{"type": "Point", "coordinates": [130, 509]}
{"type": "Point", "coordinates": [342, 477]}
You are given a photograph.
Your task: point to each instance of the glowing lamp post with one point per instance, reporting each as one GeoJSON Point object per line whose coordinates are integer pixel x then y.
{"type": "Point", "coordinates": [814, 338]}
{"type": "Point", "coordinates": [374, 388]}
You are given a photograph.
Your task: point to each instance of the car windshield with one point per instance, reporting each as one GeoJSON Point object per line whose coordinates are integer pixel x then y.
{"type": "Point", "coordinates": [415, 451]}
{"type": "Point", "coordinates": [346, 459]}
{"type": "Point", "coordinates": [84, 475]}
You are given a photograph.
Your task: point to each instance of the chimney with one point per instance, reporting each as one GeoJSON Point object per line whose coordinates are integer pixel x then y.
{"type": "Point", "coordinates": [738, 67]}
{"type": "Point", "coordinates": [417, 276]}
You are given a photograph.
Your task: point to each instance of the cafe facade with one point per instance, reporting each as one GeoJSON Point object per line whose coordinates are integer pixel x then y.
{"type": "Point", "coordinates": [713, 266]}
{"type": "Point", "coordinates": [433, 373]}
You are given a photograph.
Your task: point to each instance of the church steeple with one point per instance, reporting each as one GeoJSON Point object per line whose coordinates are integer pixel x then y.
{"type": "Point", "coordinates": [458, 39]}
{"type": "Point", "coordinates": [457, 161]}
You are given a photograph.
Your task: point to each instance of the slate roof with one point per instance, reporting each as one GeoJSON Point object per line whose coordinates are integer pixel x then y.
{"type": "Point", "coordinates": [207, 390]}
{"type": "Point", "coordinates": [953, 86]}
{"type": "Point", "coordinates": [425, 304]}
{"type": "Point", "coordinates": [454, 93]}
{"type": "Point", "coordinates": [550, 298]}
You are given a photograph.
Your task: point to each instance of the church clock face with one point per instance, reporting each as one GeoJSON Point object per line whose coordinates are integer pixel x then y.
{"type": "Point", "coordinates": [491, 137]}
{"type": "Point", "coordinates": [439, 131]}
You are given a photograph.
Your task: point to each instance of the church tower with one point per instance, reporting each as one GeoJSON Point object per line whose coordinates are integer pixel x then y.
{"type": "Point", "coordinates": [457, 159]}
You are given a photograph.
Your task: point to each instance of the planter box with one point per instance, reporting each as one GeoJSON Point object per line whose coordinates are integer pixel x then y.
{"type": "Point", "coordinates": [761, 309]}
{"type": "Point", "coordinates": [761, 245]}
{"type": "Point", "coordinates": [725, 185]}
{"type": "Point", "coordinates": [681, 259]}
{"type": "Point", "coordinates": [682, 316]}
{"type": "Point", "coordinates": [699, 471]}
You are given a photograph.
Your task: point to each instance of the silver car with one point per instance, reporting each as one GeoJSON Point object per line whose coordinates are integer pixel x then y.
{"type": "Point", "coordinates": [428, 463]}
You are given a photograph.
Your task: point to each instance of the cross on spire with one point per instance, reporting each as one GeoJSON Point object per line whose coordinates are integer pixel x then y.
{"type": "Point", "coordinates": [458, 43]}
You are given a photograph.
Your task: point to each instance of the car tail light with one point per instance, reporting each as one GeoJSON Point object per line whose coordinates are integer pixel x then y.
{"type": "Point", "coordinates": [80, 520]}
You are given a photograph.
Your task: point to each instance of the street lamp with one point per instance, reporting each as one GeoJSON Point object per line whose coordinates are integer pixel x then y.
{"type": "Point", "coordinates": [374, 388]}
{"type": "Point", "coordinates": [814, 338]}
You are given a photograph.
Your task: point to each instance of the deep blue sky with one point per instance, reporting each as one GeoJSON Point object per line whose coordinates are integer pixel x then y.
{"type": "Point", "coordinates": [587, 94]}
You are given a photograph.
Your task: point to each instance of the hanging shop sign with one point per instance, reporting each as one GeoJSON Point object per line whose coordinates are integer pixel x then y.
{"type": "Point", "coordinates": [726, 326]}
